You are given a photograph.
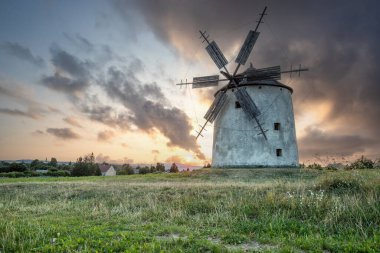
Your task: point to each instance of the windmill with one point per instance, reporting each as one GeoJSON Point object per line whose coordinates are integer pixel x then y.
{"type": "Point", "coordinates": [241, 86]}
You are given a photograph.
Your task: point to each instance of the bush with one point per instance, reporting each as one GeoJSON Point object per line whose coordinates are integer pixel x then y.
{"type": "Point", "coordinates": [160, 167]}
{"type": "Point", "coordinates": [31, 173]}
{"type": "Point", "coordinates": [343, 183]}
{"type": "Point", "coordinates": [315, 166]}
{"type": "Point", "coordinates": [58, 173]}
{"type": "Point", "coordinates": [126, 169]}
{"type": "Point", "coordinates": [144, 170]}
{"type": "Point", "coordinates": [4, 169]}
{"type": "Point", "coordinates": [153, 169]}
{"type": "Point", "coordinates": [65, 167]}
{"type": "Point", "coordinates": [361, 163]}
{"type": "Point", "coordinates": [43, 166]}
{"type": "Point", "coordinates": [17, 167]}
{"type": "Point", "coordinates": [13, 174]}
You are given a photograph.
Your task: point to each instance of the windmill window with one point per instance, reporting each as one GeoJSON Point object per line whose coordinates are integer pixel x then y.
{"type": "Point", "coordinates": [277, 126]}
{"type": "Point", "coordinates": [237, 104]}
{"type": "Point", "coordinates": [279, 152]}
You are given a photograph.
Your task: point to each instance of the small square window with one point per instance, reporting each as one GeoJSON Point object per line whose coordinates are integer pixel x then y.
{"type": "Point", "coordinates": [277, 126]}
{"type": "Point", "coordinates": [237, 104]}
{"type": "Point", "coordinates": [279, 152]}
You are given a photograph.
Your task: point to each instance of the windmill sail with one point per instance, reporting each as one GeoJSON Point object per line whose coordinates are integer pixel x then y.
{"type": "Point", "coordinates": [247, 47]}
{"type": "Point", "coordinates": [246, 102]}
{"type": "Point", "coordinates": [249, 107]}
{"type": "Point", "coordinates": [271, 73]}
{"type": "Point", "coordinates": [219, 101]}
{"type": "Point", "coordinates": [216, 55]}
{"type": "Point", "coordinates": [205, 81]}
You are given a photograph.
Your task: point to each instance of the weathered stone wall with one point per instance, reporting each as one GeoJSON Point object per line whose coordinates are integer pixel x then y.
{"type": "Point", "coordinates": [236, 141]}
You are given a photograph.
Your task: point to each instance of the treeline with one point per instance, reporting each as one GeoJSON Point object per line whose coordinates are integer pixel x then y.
{"type": "Point", "coordinates": [84, 166]}
{"type": "Point", "coordinates": [359, 164]}
{"type": "Point", "coordinates": [127, 169]}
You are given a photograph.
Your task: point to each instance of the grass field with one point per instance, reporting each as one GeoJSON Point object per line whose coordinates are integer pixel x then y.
{"type": "Point", "coordinates": [274, 210]}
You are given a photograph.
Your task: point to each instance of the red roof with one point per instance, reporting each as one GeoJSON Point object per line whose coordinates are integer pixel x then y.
{"type": "Point", "coordinates": [104, 167]}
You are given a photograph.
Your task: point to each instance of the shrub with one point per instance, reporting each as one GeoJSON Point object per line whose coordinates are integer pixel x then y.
{"type": "Point", "coordinates": [144, 170]}
{"type": "Point", "coordinates": [31, 173]}
{"type": "Point", "coordinates": [126, 169]}
{"type": "Point", "coordinates": [343, 183]}
{"type": "Point", "coordinates": [43, 166]}
{"type": "Point", "coordinates": [17, 167]}
{"type": "Point", "coordinates": [58, 173]}
{"type": "Point", "coordinates": [4, 169]}
{"type": "Point", "coordinates": [160, 167]}
{"type": "Point", "coordinates": [315, 166]}
{"type": "Point", "coordinates": [13, 174]}
{"type": "Point", "coordinates": [361, 163]}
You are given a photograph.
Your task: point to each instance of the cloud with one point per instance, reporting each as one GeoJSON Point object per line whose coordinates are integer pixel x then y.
{"type": "Point", "coordinates": [72, 121]}
{"type": "Point", "coordinates": [340, 47]}
{"type": "Point", "coordinates": [38, 133]}
{"type": "Point", "coordinates": [21, 52]}
{"type": "Point", "coordinates": [102, 158]}
{"type": "Point", "coordinates": [71, 76]}
{"type": "Point", "coordinates": [16, 112]}
{"type": "Point", "coordinates": [320, 143]}
{"type": "Point", "coordinates": [149, 115]}
{"type": "Point", "coordinates": [81, 42]}
{"type": "Point", "coordinates": [175, 159]}
{"type": "Point", "coordinates": [63, 133]}
{"type": "Point", "coordinates": [105, 135]}
{"type": "Point", "coordinates": [17, 92]}
{"type": "Point", "coordinates": [69, 63]}
{"type": "Point", "coordinates": [96, 111]}
{"type": "Point", "coordinates": [65, 84]}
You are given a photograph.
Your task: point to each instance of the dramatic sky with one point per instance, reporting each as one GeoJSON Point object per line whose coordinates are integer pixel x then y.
{"type": "Point", "coordinates": [99, 76]}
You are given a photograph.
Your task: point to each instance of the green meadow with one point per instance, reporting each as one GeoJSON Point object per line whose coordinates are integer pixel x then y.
{"type": "Point", "coordinates": [210, 210]}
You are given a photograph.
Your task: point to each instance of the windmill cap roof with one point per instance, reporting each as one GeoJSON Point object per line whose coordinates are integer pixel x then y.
{"type": "Point", "coordinates": [259, 83]}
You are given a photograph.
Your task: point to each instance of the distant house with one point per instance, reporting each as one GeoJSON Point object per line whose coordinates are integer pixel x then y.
{"type": "Point", "coordinates": [107, 170]}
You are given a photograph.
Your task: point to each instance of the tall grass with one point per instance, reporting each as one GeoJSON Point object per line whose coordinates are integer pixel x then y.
{"type": "Point", "coordinates": [201, 211]}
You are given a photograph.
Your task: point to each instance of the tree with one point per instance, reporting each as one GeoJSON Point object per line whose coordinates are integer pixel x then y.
{"type": "Point", "coordinates": [144, 170]}
{"type": "Point", "coordinates": [126, 169]}
{"type": "Point", "coordinates": [207, 165]}
{"type": "Point", "coordinates": [53, 162]}
{"type": "Point", "coordinates": [86, 166]}
{"type": "Point", "coordinates": [160, 167]}
{"type": "Point", "coordinates": [34, 163]}
{"type": "Point", "coordinates": [20, 167]}
{"type": "Point", "coordinates": [174, 168]}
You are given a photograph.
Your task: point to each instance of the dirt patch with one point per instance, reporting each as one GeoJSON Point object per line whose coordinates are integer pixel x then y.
{"type": "Point", "coordinates": [249, 246]}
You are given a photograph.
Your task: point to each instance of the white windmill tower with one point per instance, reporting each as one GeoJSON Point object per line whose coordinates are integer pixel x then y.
{"type": "Point", "coordinates": [252, 114]}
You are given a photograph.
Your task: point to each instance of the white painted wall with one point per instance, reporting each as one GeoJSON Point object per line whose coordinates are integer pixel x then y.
{"type": "Point", "coordinates": [110, 172]}
{"type": "Point", "coordinates": [236, 141]}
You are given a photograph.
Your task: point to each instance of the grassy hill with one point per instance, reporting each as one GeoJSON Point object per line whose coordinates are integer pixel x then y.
{"type": "Point", "coordinates": [284, 210]}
